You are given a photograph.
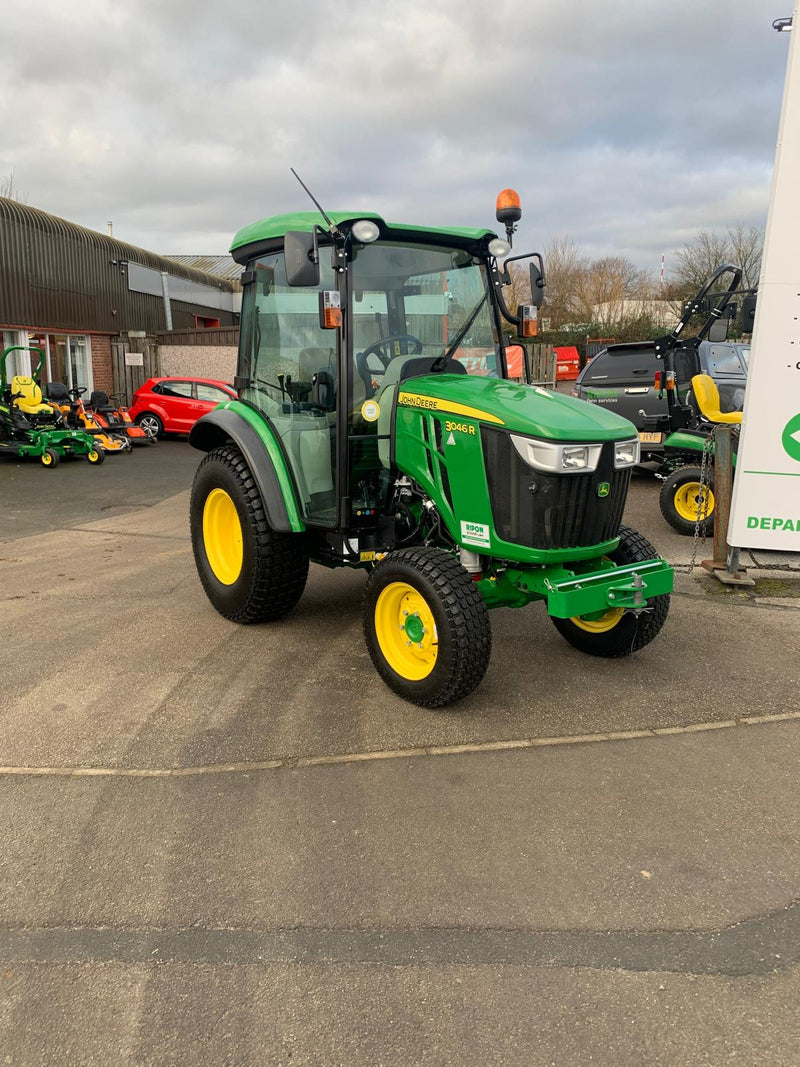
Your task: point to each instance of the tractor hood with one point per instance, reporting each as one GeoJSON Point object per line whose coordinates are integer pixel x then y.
{"type": "Point", "coordinates": [521, 409]}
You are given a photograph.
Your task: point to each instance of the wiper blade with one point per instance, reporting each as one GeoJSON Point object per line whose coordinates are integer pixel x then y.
{"type": "Point", "coordinates": [441, 361]}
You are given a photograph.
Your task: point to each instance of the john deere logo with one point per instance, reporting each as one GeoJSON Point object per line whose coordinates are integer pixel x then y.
{"type": "Point", "coordinates": [603, 489]}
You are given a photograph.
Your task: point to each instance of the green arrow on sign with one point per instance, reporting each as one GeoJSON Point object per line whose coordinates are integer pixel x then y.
{"type": "Point", "coordinates": [791, 438]}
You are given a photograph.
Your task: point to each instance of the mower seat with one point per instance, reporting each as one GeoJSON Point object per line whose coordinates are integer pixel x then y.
{"type": "Point", "coordinates": [706, 395]}
{"type": "Point", "coordinates": [30, 403]}
{"type": "Point", "coordinates": [57, 392]}
{"type": "Point", "coordinates": [99, 401]}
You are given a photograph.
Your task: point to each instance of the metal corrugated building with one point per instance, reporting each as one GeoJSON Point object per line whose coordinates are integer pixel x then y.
{"type": "Point", "coordinates": [223, 266]}
{"type": "Point", "coordinates": [55, 274]}
{"type": "Point", "coordinates": [84, 299]}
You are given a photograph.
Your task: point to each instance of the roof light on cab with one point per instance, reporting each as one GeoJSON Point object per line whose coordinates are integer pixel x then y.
{"type": "Point", "coordinates": [365, 231]}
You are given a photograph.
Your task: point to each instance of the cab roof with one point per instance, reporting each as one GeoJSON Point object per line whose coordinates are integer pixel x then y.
{"type": "Point", "coordinates": [275, 227]}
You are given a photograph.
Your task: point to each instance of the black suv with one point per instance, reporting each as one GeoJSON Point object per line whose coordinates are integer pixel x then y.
{"type": "Point", "coordinates": [621, 378]}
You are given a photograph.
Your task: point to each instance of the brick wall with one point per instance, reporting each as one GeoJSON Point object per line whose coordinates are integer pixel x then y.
{"type": "Point", "coordinates": [199, 361]}
{"type": "Point", "coordinates": [101, 363]}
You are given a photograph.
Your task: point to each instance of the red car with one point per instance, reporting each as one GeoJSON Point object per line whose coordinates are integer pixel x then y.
{"type": "Point", "coordinates": [173, 405]}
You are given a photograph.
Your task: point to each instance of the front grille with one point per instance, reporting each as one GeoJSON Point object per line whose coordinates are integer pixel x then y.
{"type": "Point", "coordinates": [544, 511]}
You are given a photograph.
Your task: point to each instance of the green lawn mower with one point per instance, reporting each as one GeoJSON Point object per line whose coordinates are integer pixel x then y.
{"type": "Point", "coordinates": [376, 428]}
{"type": "Point", "coordinates": [686, 498]}
{"type": "Point", "coordinates": [31, 427]}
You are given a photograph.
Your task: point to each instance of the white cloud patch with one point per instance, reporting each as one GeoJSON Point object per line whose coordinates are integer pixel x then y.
{"type": "Point", "coordinates": [627, 126]}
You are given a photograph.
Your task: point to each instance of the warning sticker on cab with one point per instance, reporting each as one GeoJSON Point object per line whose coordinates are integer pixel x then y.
{"type": "Point", "coordinates": [475, 533]}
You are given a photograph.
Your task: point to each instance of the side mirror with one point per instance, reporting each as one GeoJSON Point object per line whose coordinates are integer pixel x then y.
{"type": "Point", "coordinates": [302, 259]}
{"type": "Point", "coordinates": [537, 285]}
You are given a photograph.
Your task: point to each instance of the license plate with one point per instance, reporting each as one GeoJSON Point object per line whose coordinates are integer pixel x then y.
{"type": "Point", "coordinates": [651, 438]}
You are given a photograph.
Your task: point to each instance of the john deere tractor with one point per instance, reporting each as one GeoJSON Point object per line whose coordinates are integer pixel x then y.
{"type": "Point", "coordinates": [376, 428]}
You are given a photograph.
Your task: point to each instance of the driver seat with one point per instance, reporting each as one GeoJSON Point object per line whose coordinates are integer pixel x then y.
{"type": "Point", "coordinates": [706, 395]}
{"type": "Point", "coordinates": [30, 402]}
{"type": "Point", "coordinates": [401, 368]}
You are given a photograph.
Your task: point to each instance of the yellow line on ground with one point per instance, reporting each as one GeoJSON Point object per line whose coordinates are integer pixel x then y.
{"type": "Point", "coordinates": [391, 754]}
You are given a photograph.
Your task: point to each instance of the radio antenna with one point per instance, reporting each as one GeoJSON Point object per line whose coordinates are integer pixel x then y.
{"type": "Point", "coordinates": [332, 227]}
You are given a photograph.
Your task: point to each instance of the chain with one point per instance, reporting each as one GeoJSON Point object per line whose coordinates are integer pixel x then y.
{"type": "Point", "coordinates": [702, 511]}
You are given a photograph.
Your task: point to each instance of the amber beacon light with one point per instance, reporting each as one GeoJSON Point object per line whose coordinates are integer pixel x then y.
{"type": "Point", "coordinates": [508, 211]}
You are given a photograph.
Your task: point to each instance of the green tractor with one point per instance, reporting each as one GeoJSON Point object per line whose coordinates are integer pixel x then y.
{"type": "Point", "coordinates": [29, 426]}
{"type": "Point", "coordinates": [376, 428]}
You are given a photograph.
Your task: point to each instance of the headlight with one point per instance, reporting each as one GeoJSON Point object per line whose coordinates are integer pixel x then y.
{"type": "Point", "coordinates": [557, 458]}
{"type": "Point", "coordinates": [626, 454]}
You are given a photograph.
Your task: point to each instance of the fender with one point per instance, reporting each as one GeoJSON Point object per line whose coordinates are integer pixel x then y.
{"type": "Point", "coordinates": [686, 441]}
{"type": "Point", "coordinates": [255, 439]}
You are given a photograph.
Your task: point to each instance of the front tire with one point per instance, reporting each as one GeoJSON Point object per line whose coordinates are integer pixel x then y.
{"type": "Point", "coordinates": [682, 502]}
{"type": "Point", "coordinates": [617, 632]}
{"type": "Point", "coordinates": [50, 458]}
{"type": "Point", "coordinates": [96, 456]}
{"type": "Point", "coordinates": [250, 573]}
{"type": "Point", "coordinates": [426, 627]}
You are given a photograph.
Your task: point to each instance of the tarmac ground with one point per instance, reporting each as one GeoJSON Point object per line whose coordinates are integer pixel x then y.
{"type": "Point", "coordinates": [228, 845]}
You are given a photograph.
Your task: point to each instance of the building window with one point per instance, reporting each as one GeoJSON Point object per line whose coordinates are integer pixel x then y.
{"type": "Point", "coordinates": [70, 360]}
{"type": "Point", "coordinates": [16, 362]}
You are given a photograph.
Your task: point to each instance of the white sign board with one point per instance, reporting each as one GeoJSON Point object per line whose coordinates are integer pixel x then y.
{"type": "Point", "coordinates": [766, 497]}
{"type": "Point", "coordinates": [134, 359]}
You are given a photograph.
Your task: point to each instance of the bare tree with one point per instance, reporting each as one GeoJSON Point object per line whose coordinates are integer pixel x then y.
{"type": "Point", "coordinates": [746, 245]}
{"type": "Point", "coordinates": [696, 262]}
{"type": "Point", "coordinates": [564, 267]}
{"type": "Point", "coordinates": [8, 189]}
{"type": "Point", "coordinates": [611, 289]}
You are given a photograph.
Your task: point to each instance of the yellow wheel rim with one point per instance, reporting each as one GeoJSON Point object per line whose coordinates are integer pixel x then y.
{"type": "Point", "coordinates": [222, 536]}
{"type": "Point", "coordinates": [593, 624]}
{"type": "Point", "coordinates": [92, 456]}
{"type": "Point", "coordinates": [689, 502]}
{"type": "Point", "coordinates": [406, 631]}
{"type": "Point", "coordinates": [47, 459]}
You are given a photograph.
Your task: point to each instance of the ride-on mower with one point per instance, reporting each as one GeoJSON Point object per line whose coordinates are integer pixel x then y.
{"type": "Point", "coordinates": [29, 427]}
{"type": "Point", "coordinates": [111, 414]}
{"type": "Point", "coordinates": [686, 498]}
{"type": "Point", "coordinates": [70, 403]}
{"type": "Point", "coordinates": [376, 428]}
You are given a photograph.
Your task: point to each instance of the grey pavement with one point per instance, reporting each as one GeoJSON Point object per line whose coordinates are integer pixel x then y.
{"type": "Point", "coordinates": [232, 845]}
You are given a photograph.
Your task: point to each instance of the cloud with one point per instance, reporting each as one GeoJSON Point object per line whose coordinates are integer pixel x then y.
{"type": "Point", "coordinates": [629, 127]}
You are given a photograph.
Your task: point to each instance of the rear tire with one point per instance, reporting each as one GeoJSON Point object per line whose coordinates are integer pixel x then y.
{"type": "Point", "coordinates": [151, 424]}
{"type": "Point", "coordinates": [250, 573]}
{"type": "Point", "coordinates": [618, 632]}
{"type": "Point", "coordinates": [680, 500]}
{"type": "Point", "coordinates": [426, 627]}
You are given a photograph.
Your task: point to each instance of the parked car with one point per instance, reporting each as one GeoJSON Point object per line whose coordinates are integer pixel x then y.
{"type": "Point", "coordinates": [622, 377]}
{"type": "Point", "coordinates": [173, 405]}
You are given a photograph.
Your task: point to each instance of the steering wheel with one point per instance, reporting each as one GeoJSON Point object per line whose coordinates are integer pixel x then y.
{"type": "Point", "coordinates": [385, 357]}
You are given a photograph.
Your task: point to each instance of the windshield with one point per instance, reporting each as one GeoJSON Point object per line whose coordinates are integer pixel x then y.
{"type": "Point", "coordinates": [419, 301]}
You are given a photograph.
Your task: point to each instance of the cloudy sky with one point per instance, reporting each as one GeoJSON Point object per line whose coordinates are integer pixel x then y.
{"type": "Point", "coordinates": [627, 125]}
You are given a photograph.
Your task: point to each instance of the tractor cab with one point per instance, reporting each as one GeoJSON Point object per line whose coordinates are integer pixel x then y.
{"type": "Point", "coordinates": [376, 427]}
{"type": "Point", "coordinates": [334, 323]}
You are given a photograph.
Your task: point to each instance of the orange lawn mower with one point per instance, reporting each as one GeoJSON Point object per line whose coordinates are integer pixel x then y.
{"type": "Point", "coordinates": [70, 403]}
{"type": "Point", "coordinates": [112, 415]}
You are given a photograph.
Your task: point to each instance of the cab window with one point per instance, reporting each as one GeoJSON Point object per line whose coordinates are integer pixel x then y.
{"type": "Point", "coordinates": [289, 363]}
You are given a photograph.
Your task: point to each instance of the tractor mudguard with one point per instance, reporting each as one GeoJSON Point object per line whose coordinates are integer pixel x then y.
{"type": "Point", "coordinates": [259, 446]}
{"type": "Point", "coordinates": [686, 441]}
